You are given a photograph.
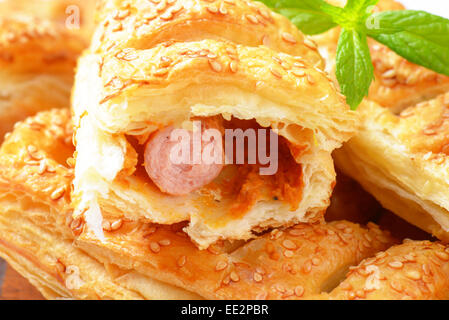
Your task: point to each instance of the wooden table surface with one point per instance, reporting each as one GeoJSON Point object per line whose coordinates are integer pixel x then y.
{"type": "Point", "coordinates": [15, 287]}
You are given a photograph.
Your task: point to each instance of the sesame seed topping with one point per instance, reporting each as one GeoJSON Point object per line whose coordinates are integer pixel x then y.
{"type": "Point", "coordinates": [165, 242]}
{"type": "Point", "coordinates": [154, 246]}
{"type": "Point", "coordinates": [442, 255]}
{"type": "Point", "coordinates": [413, 274]}
{"type": "Point", "coordinates": [287, 37]}
{"type": "Point", "coordinates": [389, 74]}
{"type": "Point", "coordinates": [58, 193]}
{"type": "Point", "coordinates": [311, 79]}
{"type": "Point", "coordinates": [288, 244]}
{"type": "Point", "coordinates": [309, 43]}
{"type": "Point", "coordinates": [234, 276]}
{"type": "Point", "coordinates": [299, 291]}
{"type": "Point", "coordinates": [257, 277]}
{"type": "Point", "coordinates": [182, 261]}
{"type": "Point", "coordinates": [212, 9]}
{"type": "Point", "coordinates": [299, 73]}
{"type": "Point", "coordinates": [276, 73]}
{"type": "Point", "coordinates": [221, 265]}
{"type": "Point", "coordinates": [233, 66]}
{"type": "Point", "coordinates": [396, 264]}
{"type": "Point", "coordinates": [288, 253]}
{"type": "Point", "coordinates": [252, 19]}
{"type": "Point", "coordinates": [215, 65]}
{"type": "Point", "coordinates": [429, 132]}
{"type": "Point", "coordinates": [117, 224]}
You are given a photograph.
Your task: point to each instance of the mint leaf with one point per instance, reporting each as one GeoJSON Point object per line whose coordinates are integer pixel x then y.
{"type": "Point", "coordinates": [432, 27]}
{"type": "Point", "coordinates": [309, 22]}
{"type": "Point", "coordinates": [417, 49]}
{"type": "Point", "coordinates": [360, 7]}
{"type": "Point", "coordinates": [355, 70]}
{"type": "Point", "coordinates": [305, 14]}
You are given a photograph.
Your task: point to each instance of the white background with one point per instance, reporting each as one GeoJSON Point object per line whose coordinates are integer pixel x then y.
{"type": "Point", "coordinates": [439, 7]}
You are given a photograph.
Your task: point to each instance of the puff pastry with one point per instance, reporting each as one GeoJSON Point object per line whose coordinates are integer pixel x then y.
{"type": "Point", "coordinates": [398, 83]}
{"type": "Point", "coordinates": [37, 59]}
{"type": "Point", "coordinates": [206, 68]}
{"type": "Point", "coordinates": [35, 220]}
{"type": "Point", "coordinates": [64, 259]}
{"type": "Point", "coordinates": [401, 160]}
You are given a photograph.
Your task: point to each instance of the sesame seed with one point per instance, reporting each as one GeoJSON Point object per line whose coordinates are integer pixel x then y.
{"type": "Point", "coordinates": [161, 72]}
{"type": "Point", "coordinates": [221, 265]}
{"type": "Point", "coordinates": [215, 65]}
{"type": "Point", "coordinates": [76, 223]}
{"type": "Point", "coordinates": [442, 255]}
{"type": "Point", "coordinates": [106, 225]}
{"type": "Point", "coordinates": [346, 286]}
{"type": "Point", "coordinates": [265, 14]}
{"type": "Point", "coordinates": [212, 9]}
{"type": "Point", "coordinates": [413, 274]}
{"type": "Point", "coordinates": [257, 277]}
{"type": "Point", "coordinates": [316, 261]}
{"type": "Point", "coordinates": [309, 43]}
{"type": "Point", "coordinates": [165, 242]}
{"type": "Point", "coordinates": [182, 261]}
{"type": "Point", "coordinates": [58, 193]}
{"type": "Point", "coordinates": [299, 73]}
{"type": "Point", "coordinates": [233, 66]}
{"type": "Point", "coordinates": [166, 15]}
{"type": "Point", "coordinates": [252, 19]}
{"type": "Point", "coordinates": [288, 253]}
{"type": "Point", "coordinates": [287, 37]}
{"type": "Point", "coordinates": [276, 73]}
{"type": "Point", "coordinates": [389, 74]}
{"type": "Point", "coordinates": [396, 264]}
{"type": "Point", "coordinates": [117, 224]}
{"type": "Point", "coordinates": [260, 270]}
{"type": "Point", "coordinates": [223, 9]}
{"type": "Point", "coordinates": [429, 132]}
{"type": "Point", "coordinates": [288, 244]}
{"type": "Point", "coordinates": [154, 246]}
{"type": "Point", "coordinates": [234, 276]}
{"type": "Point", "coordinates": [266, 40]}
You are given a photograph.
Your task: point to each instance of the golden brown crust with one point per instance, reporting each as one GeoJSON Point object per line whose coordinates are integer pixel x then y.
{"type": "Point", "coordinates": [36, 57]}
{"type": "Point", "coordinates": [402, 161]}
{"type": "Point", "coordinates": [142, 24]}
{"type": "Point", "coordinates": [411, 271]}
{"type": "Point", "coordinates": [36, 227]}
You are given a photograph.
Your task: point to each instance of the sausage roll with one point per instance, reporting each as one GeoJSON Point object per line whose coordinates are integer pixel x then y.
{"type": "Point", "coordinates": [401, 159]}
{"type": "Point", "coordinates": [133, 91]}
{"type": "Point", "coordinates": [398, 83]}
{"type": "Point", "coordinates": [37, 61]}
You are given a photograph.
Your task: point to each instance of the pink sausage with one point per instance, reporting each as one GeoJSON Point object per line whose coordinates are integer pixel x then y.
{"type": "Point", "coordinates": [180, 178]}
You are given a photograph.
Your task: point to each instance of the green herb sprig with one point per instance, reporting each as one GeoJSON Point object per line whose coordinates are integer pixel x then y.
{"type": "Point", "coordinates": [418, 36]}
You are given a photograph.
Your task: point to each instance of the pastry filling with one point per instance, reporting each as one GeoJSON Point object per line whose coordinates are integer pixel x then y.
{"type": "Point", "coordinates": [235, 159]}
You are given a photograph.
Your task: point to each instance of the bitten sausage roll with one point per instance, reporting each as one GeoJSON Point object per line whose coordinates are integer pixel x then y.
{"type": "Point", "coordinates": [134, 93]}
{"type": "Point", "coordinates": [64, 259]}
{"type": "Point", "coordinates": [37, 61]}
